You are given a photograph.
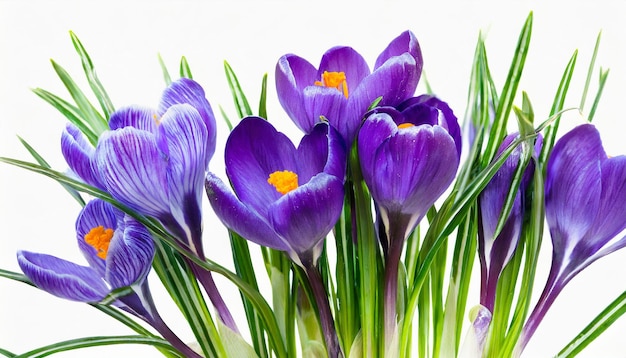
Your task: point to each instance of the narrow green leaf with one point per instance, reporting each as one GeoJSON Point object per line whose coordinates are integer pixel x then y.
{"type": "Point", "coordinates": [595, 328]}
{"type": "Point", "coordinates": [166, 74]}
{"type": "Point", "coordinates": [603, 77]}
{"type": "Point", "coordinates": [263, 99]}
{"type": "Point", "coordinates": [15, 276]}
{"type": "Point", "coordinates": [592, 64]}
{"type": "Point", "coordinates": [70, 112]}
{"type": "Point", "coordinates": [6, 353]}
{"type": "Point", "coordinates": [185, 70]}
{"type": "Point", "coordinates": [90, 115]}
{"type": "Point", "coordinates": [229, 124]}
{"type": "Point", "coordinates": [115, 295]}
{"type": "Point", "coordinates": [92, 78]}
{"type": "Point", "coordinates": [505, 103]}
{"type": "Point", "coordinates": [241, 103]}
{"type": "Point", "coordinates": [98, 341]}
{"type": "Point", "coordinates": [557, 105]}
{"type": "Point", "coordinates": [43, 163]}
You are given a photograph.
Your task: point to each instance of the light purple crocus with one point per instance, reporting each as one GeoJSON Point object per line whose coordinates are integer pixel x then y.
{"type": "Point", "coordinates": [494, 252]}
{"type": "Point", "coordinates": [408, 156]}
{"type": "Point", "coordinates": [286, 198]}
{"type": "Point", "coordinates": [119, 251]}
{"type": "Point", "coordinates": [153, 160]}
{"type": "Point", "coordinates": [585, 196]}
{"type": "Point", "coordinates": [342, 88]}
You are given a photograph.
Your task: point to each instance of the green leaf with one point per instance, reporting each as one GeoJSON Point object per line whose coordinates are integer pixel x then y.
{"type": "Point", "coordinates": [505, 103]}
{"type": "Point", "coordinates": [603, 77]}
{"type": "Point", "coordinates": [70, 112]}
{"type": "Point", "coordinates": [595, 328]}
{"type": "Point", "coordinates": [98, 341]}
{"type": "Point", "coordinates": [166, 74]}
{"type": "Point", "coordinates": [234, 344]}
{"type": "Point", "coordinates": [6, 353]}
{"type": "Point", "coordinates": [185, 71]}
{"type": "Point", "coordinates": [43, 163]}
{"type": "Point", "coordinates": [92, 78]}
{"type": "Point", "coordinates": [115, 295]}
{"type": "Point", "coordinates": [241, 103]}
{"type": "Point", "coordinates": [263, 99]}
{"type": "Point", "coordinates": [590, 72]}
{"type": "Point", "coordinates": [229, 124]}
{"type": "Point", "coordinates": [92, 118]}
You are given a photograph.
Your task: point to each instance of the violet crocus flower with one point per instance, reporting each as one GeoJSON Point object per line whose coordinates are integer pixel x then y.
{"type": "Point", "coordinates": [408, 156]}
{"type": "Point", "coordinates": [342, 88]}
{"type": "Point", "coordinates": [494, 252]}
{"type": "Point", "coordinates": [286, 198]}
{"type": "Point", "coordinates": [585, 197]}
{"type": "Point", "coordinates": [119, 251]}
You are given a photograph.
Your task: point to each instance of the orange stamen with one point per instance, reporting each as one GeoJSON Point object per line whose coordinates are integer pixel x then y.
{"type": "Point", "coordinates": [334, 80]}
{"type": "Point", "coordinates": [100, 238]}
{"type": "Point", "coordinates": [405, 125]}
{"type": "Point", "coordinates": [284, 181]}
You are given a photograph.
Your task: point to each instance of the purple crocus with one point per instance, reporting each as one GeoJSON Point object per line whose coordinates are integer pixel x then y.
{"type": "Point", "coordinates": [153, 160]}
{"type": "Point", "coordinates": [408, 156]}
{"type": "Point", "coordinates": [286, 198]}
{"type": "Point", "coordinates": [342, 88]}
{"type": "Point", "coordinates": [119, 251]}
{"type": "Point", "coordinates": [495, 251]}
{"type": "Point", "coordinates": [585, 197]}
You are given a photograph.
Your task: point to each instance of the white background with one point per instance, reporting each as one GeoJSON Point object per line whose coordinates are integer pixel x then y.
{"type": "Point", "coordinates": [124, 39]}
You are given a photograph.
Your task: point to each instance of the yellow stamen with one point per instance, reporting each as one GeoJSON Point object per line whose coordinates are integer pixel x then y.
{"type": "Point", "coordinates": [100, 238]}
{"type": "Point", "coordinates": [334, 80]}
{"type": "Point", "coordinates": [284, 181]}
{"type": "Point", "coordinates": [156, 118]}
{"type": "Point", "coordinates": [405, 125]}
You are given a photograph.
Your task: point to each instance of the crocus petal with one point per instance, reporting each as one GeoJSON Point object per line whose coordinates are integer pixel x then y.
{"type": "Point", "coordinates": [130, 254]}
{"type": "Point", "coordinates": [322, 102]}
{"type": "Point", "coordinates": [321, 150]}
{"type": "Point", "coordinates": [347, 60]}
{"type": "Point", "coordinates": [406, 42]}
{"type": "Point", "coordinates": [253, 151]}
{"type": "Point", "coordinates": [573, 185]}
{"type": "Point", "coordinates": [62, 278]}
{"type": "Point", "coordinates": [78, 153]}
{"type": "Point", "coordinates": [133, 170]}
{"type": "Point", "coordinates": [96, 213]}
{"type": "Point", "coordinates": [446, 117]}
{"type": "Point", "coordinates": [307, 214]}
{"type": "Point", "coordinates": [376, 129]}
{"type": "Point", "coordinates": [182, 136]}
{"type": "Point", "coordinates": [240, 218]}
{"type": "Point", "coordinates": [611, 216]}
{"type": "Point", "coordinates": [134, 116]}
{"type": "Point", "coordinates": [293, 74]}
{"type": "Point", "coordinates": [187, 91]}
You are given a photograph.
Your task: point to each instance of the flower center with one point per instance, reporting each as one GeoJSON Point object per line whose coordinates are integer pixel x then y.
{"type": "Point", "coordinates": [284, 181]}
{"type": "Point", "coordinates": [405, 125]}
{"type": "Point", "coordinates": [335, 80]}
{"type": "Point", "coordinates": [100, 238]}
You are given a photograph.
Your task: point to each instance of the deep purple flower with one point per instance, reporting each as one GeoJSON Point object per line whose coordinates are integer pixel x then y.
{"type": "Point", "coordinates": [409, 156]}
{"type": "Point", "coordinates": [585, 196]}
{"type": "Point", "coordinates": [119, 251]}
{"type": "Point", "coordinates": [153, 161]}
{"type": "Point", "coordinates": [284, 197]}
{"type": "Point", "coordinates": [342, 88]}
{"type": "Point", "coordinates": [494, 251]}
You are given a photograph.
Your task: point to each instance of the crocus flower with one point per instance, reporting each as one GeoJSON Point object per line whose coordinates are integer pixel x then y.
{"type": "Point", "coordinates": [408, 156]}
{"type": "Point", "coordinates": [153, 160]}
{"type": "Point", "coordinates": [494, 251]}
{"type": "Point", "coordinates": [119, 251]}
{"type": "Point", "coordinates": [585, 197]}
{"type": "Point", "coordinates": [286, 198]}
{"type": "Point", "coordinates": [342, 88]}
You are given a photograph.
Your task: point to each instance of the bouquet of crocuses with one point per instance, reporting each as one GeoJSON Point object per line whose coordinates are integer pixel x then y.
{"type": "Point", "coordinates": [368, 228]}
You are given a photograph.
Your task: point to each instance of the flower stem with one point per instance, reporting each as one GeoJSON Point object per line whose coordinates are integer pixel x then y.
{"type": "Point", "coordinates": [392, 264]}
{"type": "Point", "coordinates": [323, 307]}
